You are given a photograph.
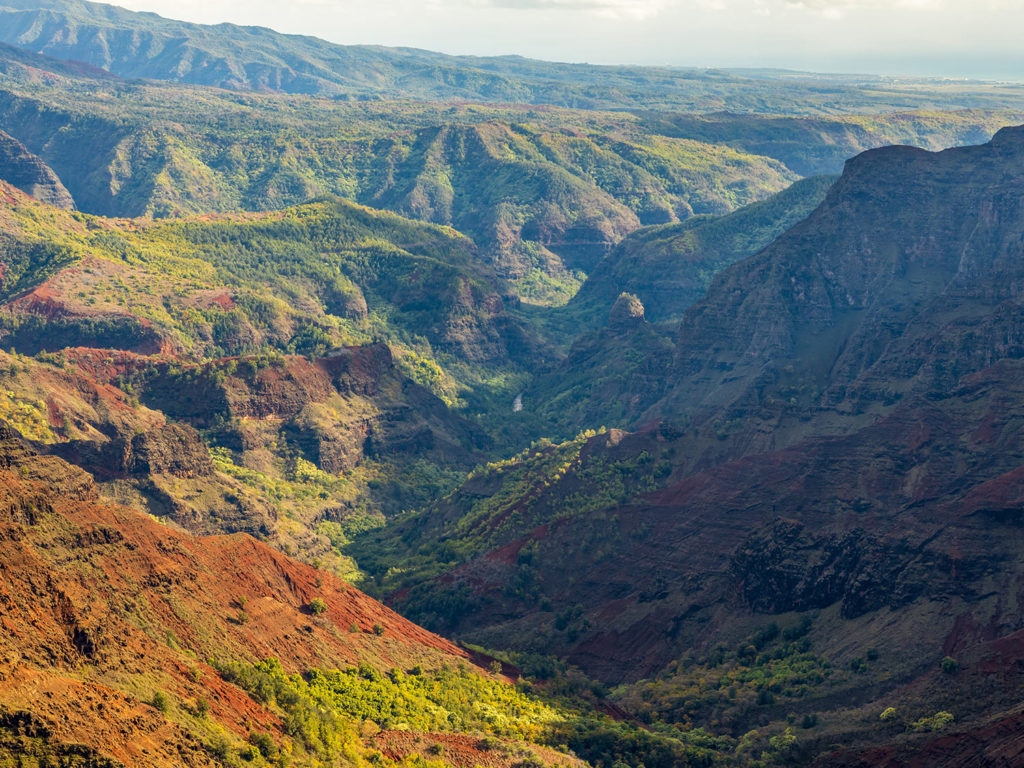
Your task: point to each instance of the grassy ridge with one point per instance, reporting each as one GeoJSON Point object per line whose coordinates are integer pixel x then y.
{"type": "Point", "coordinates": [300, 281]}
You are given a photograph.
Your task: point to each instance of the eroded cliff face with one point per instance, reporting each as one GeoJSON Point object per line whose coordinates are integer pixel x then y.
{"type": "Point", "coordinates": [30, 174]}
{"type": "Point", "coordinates": [906, 278]}
{"type": "Point", "coordinates": [272, 447]}
{"type": "Point", "coordinates": [338, 410]}
{"type": "Point", "coordinates": [914, 513]}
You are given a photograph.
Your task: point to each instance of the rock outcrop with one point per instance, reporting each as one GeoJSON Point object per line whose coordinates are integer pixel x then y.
{"type": "Point", "coordinates": [30, 174]}
{"type": "Point", "coordinates": [627, 312]}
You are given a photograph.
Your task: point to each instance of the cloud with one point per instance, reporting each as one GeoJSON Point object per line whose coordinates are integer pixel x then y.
{"type": "Point", "coordinates": [940, 6]}
{"type": "Point", "coordinates": [644, 9]}
{"type": "Point", "coordinates": [635, 9]}
{"type": "Point", "coordinates": [824, 5]}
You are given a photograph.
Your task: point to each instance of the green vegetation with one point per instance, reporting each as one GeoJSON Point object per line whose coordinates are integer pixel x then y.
{"type": "Point", "coordinates": [813, 145]}
{"type": "Point", "coordinates": [317, 606]}
{"type": "Point", "coordinates": [543, 192]}
{"type": "Point", "coordinates": [935, 722]}
{"type": "Point", "coordinates": [498, 240]}
{"type": "Point", "coordinates": [448, 699]}
{"type": "Point", "coordinates": [26, 415]}
{"type": "Point", "coordinates": [258, 59]}
{"type": "Point", "coordinates": [320, 710]}
{"type": "Point", "coordinates": [500, 502]}
{"type": "Point", "coordinates": [302, 281]}
{"type": "Point", "coordinates": [161, 702]}
{"type": "Point", "coordinates": [771, 669]}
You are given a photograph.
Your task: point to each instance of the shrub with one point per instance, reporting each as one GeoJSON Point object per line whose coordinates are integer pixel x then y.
{"type": "Point", "coordinates": [487, 743]}
{"type": "Point", "coordinates": [950, 665]}
{"type": "Point", "coordinates": [248, 753]}
{"type": "Point", "coordinates": [782, 746]}
{"type": "Point", "coordinates": [218, 747]}
{"type": "Point", "coordinates": [935, 722]}
{"type": "Point", "coordinates": [263, 743]}
{"type": "Point", "coordinates": [378, 629]}
{"type": "Point", "coordinates": [888, 715]}
{"type": "Point", "coordinates": [161, 701]}
{"type": "Point", "coordinates": [317, 605]}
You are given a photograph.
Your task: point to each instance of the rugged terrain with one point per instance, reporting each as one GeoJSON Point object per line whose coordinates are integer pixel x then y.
{"type": "Point", "coordinates": [30, 174]}
{"type": "Point", "coordinates": [709, 460]}
{"type": "Point", "coordinates": [669, 267]}
{"type": "Point", "coordinates": [833, 440]}
{"type": "Point", "coordinates": [109, 619]}
{"type": "Point", "coordinates": [543, 191]}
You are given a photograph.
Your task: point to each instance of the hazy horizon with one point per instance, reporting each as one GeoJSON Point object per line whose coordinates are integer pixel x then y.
{"type": "Point", "coordinates": [937, 38]}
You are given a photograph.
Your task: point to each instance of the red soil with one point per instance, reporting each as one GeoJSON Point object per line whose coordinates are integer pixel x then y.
{"type": "Point", "coordinates": [95, 597]}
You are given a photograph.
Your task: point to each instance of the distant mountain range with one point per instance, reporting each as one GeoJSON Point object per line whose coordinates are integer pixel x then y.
{"type": "Point", "coordinates": [145, 45]}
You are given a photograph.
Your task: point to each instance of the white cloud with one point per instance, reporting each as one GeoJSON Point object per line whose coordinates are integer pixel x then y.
{"type": "Point", "coordinates": [634, 9]}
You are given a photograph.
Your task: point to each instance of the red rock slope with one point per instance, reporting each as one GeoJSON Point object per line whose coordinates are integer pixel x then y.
{"type": "Point", "coordinates": [100, 607]}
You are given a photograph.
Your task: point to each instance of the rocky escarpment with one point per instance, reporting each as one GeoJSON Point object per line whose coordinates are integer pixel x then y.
{"type": "Point", "coordinates": [666, 269]}
{"type": "Point", "coordinates": [902, 539]}
{"type": "Point", "coordinates": [338, 410]}
{"type": "Point", "coordinates": [173, 449]}
{"type": "Point", "coordinates": [912, 255]}
{"type": "Point", "coordinates": [785, 567]}
{"type": "Point", "coordinates": [30, 174]}
{"type": "Point", "coordinates": [103, 607]}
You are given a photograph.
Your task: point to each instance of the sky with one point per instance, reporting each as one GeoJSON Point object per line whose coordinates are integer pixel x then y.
{"type": "Point", "coordinates": [947, 38]}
